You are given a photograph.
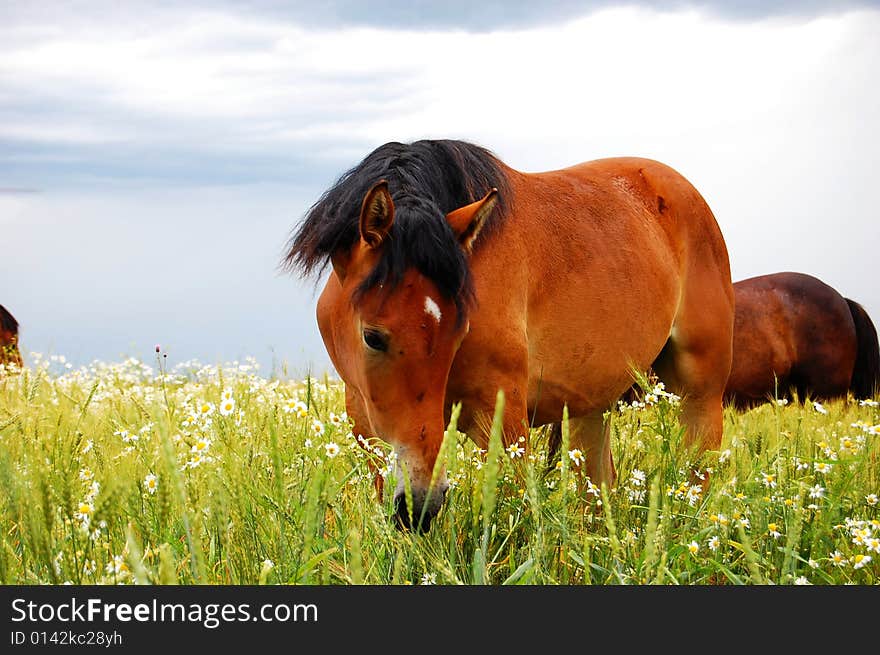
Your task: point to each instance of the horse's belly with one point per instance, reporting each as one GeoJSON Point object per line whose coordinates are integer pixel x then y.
{"type": "Point", "coordinates": [584, 359]}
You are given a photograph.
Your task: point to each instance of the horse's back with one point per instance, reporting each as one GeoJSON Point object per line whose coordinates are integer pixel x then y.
{"type": "Point", "coordinates": [614, 250]}
{"type": "Point", "coordinates": [664, 203]}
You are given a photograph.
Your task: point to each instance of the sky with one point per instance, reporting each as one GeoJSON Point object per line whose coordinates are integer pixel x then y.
{"type": "Point", "coordinates": [156, 156]}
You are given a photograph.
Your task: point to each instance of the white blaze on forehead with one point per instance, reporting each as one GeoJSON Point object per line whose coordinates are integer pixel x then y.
{"type": "Point", "coordinates": [432, 309]}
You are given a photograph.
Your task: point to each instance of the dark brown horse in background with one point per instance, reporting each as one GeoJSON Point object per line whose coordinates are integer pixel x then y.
{"type": "Point", "coordinates": [794, 333]}
{"type": "Point", "coordinates": [9, 353]}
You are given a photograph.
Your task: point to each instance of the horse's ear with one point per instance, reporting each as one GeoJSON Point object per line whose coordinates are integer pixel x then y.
{"type": "Point", "coordinates": [377, 214]}
{"type": "Point", "coordinates": [466, 221]}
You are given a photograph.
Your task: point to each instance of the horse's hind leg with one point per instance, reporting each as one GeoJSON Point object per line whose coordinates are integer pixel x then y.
{"type": "Point", "coordinates": [695, 363]}
{"type": "Point", "coordinates": [592, 435]}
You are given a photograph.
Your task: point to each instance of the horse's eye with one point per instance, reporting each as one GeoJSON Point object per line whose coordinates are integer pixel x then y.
{"type": "Point", "coordinates": [375, 340]}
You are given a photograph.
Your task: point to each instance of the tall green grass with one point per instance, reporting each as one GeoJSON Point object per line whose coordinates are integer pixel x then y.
{"type": "Point", "coordinates": [277, 490]}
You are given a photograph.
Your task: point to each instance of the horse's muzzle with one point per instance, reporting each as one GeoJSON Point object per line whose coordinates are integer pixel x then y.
{"type": "Point", "coordinates": [425, 508]}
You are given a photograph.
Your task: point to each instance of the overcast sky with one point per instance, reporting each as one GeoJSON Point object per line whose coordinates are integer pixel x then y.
{"type": "Point", "coordinates": [154, 157]}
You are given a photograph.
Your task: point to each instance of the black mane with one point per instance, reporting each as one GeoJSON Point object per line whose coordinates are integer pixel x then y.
{"type": "Point", "coordinates": [427, 180]}
{"type": "Point", "coordinates": [7, 321]}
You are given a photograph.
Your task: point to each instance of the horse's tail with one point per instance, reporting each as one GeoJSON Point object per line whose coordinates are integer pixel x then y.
{"type": "Point", "coordinates": [866, 372]}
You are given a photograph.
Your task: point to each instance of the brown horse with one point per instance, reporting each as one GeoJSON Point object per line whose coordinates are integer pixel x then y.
{"type": "Point", "coordinates": [9, 353]}
{"type": "Point", "coordinates": [793, 332]}
{"type": "Point", "coordinates": [455, 276]}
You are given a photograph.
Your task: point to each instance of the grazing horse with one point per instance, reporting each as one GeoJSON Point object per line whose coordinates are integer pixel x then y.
{"type": "Point", "coordinates": [455, 276]}
{"type": "Point", "coordinates": [794, 332]}
{"type": "Point", "coordinates": [9, 353]}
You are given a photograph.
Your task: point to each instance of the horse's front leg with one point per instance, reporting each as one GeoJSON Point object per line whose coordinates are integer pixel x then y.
{"type": "Point", "coordinates": [479, 397]}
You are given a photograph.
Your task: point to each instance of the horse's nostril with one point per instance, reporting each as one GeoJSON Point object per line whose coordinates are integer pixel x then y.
{"type": "Point", "coordinates": [422, 513]}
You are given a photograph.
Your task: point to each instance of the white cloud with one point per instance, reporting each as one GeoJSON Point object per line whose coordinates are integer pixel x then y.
{"type": "Point", "coordinates": [775, 121]}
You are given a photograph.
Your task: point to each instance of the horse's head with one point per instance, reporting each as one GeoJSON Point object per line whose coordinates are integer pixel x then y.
{"type": "Point", "coordinates": [393, 322]}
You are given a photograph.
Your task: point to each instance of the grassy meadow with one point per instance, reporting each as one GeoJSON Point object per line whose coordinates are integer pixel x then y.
{"type": "Point", "coordinates": [133, 473]}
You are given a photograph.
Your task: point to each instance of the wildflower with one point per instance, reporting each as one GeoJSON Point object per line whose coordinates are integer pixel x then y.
{"type": "Point", "coordinates": [151, 483]}
{"type": "Point", "coordinates": [773, 531]}
{"type": "Point", "coordinates": [576, 456]}
{"type": "Point", "coordinates": [337, 419]}
{"type": "Point", "coordinates": [86, 475]}
{"type": "Point", "coordinates": [636, 494]}
{"type": "Point", "coordinates": [307, 443]}
{"type": "Point", "coordinates": [227, 395]}
{"type": "Point", "coordinates": [201, 446]}
{"type": "Point", "coordinates": [802, 580]}
{"type": "Point", "coordinates": [872, 499]}
{"type": "Point", "coordinates": [84, 512]}
{"type": "Point", "coordinates": [331, 449]}
{"type": "Point", "coordinates": [724, 456]}
{"type": "Point", "coordinates": [858, 561]}
{"type": "Point", "coordinates": [769, 480]}
{"type": "Point", "coordinates": [713, 543]}
{"type": "Point", "coordinates": [638, 478]}
{"type": "Point", "coordinates": [817, 491]}
{"type": "Point", "coordinates": [719, 519]}
{"type": "Point", "coordinates": [317, 428]}
{"type": "Point", "coordinates": [87, 446]}
{"type": "Point", "coordinates": [429, 578]}
{"type": "Point", "coordinates": [819, 408]}
{"type": "Point", "coordinates": [813, 564]}
{"type": "Point", "coordinates": [293, 406]}
{"type": "Point", "coordinates": [847, 445]}
{"type": "Point", "coordinates": [694, 493]}
{"type": "Point", "coordinates": [869, 403]}
{"type": "Point", "coordinates": [782, 402]}
{"type": "Point", "coordinates": [873, 544]}
{"type": "Point", "coordinates": [268, 564]}
{"type": "Point", "coordinates": [117, 566]}
{"type": "Point", "coordinates": [693, 548]}
{"type": "Point", "coordinates": [227, 406]}
{"type": "Point", "coordinates": [559, 465]}
{"type": "Point", "coordinates": [515, 450]}
{"type": "Point", "coordinates": [205, 409]}
{"type": "Point", "coordinates": [127, 436]}
{"type": "Point", "coordinates": [838, 559]}
{"type": "Point", "coordinates": [860, 535]}
{"type": "Point", "coordinates": [822, 467]}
